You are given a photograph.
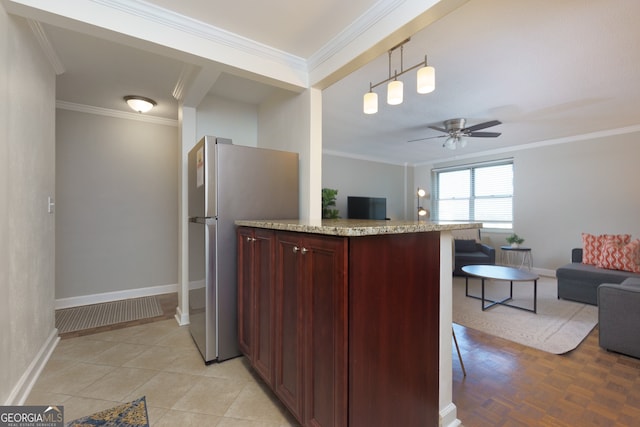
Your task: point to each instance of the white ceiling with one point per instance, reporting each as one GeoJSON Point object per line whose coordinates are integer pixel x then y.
{"type": "Point", "coordinates": [547, 70]}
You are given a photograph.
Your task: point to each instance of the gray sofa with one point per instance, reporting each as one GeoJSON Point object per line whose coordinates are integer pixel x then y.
{"type": "Point", "coordinates": [470, 252]}
{"type": "Point", "coordinates": [619, 316]}
{"type": "Point", "coordinates": [579, 282]}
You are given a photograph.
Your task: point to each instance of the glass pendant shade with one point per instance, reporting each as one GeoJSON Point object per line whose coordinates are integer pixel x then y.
{"type": "Point", "coordinates": [450, 143]}
{"type": "Point", "coordinates": [394, 92]}
{"type": "Point", "coordinates": [370, 103]}
{"type": "Point", "coordinates": [426, 80]}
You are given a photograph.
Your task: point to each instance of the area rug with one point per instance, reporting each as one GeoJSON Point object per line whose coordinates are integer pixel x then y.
{"type": "Point", "coordinates": [109, 313]}
{"type": "Point", "coordinates": [132, 414]}
{"type": "Point", "coordinates": [558, 327]}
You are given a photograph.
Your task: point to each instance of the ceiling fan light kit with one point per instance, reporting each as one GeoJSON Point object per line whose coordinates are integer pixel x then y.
{"type": "Point", "coordinates": [425, 82]}
{"type": "Point", "coordinates": [457, 134]}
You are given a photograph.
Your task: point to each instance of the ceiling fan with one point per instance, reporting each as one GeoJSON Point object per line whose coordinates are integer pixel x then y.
{"type": "Point", "coordinates": [456, 132]}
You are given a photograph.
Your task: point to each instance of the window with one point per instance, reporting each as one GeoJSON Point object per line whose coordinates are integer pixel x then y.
{"type": "Point", "coordinates": [480, 193]}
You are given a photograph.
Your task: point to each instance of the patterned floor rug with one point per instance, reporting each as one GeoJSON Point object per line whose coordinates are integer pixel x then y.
{"type": "Point", "coordinates": [110, 313]}
{"type": "Point", "coordinates": [132, 414]}
{"type": "Point", "coordinates": [558, 326]}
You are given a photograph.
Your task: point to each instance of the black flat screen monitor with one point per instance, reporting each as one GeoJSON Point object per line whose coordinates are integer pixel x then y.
{"type": "Point", "coordinates": [366, 207]}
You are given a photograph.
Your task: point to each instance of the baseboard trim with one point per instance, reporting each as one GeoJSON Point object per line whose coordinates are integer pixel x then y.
{"type": "Point", "coordinates": [114, 296]}
{"type": "Point", "coordinates": [22, 389]}
{"type": "Point", "coordinates": [181, 318]}
{"type": "Point", "coordinates": [544, 272]}
{"type": "Point", "coordinates": [449, 416]}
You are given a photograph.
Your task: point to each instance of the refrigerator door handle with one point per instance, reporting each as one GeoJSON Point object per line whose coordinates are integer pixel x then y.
{"type": "Point", "coordinates": [203, 220]}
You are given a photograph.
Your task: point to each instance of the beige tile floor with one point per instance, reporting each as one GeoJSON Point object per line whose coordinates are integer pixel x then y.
{"type": "Point", "coordinates": [160, 361]}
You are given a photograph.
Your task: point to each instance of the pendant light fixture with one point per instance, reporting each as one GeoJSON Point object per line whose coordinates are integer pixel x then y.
{"type": "Point", "coordinates": [140, 103]}
{"type": "Point", "coordinates": [425, 82]}
{"type": "Point", "coordinates": [370, 102]}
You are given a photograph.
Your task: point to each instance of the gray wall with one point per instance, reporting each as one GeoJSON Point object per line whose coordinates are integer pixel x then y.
{"type": "Point", "coordinates": [562, 190]}
{"type": "Point", "coordinates": [228, 119]}
{"type": "Point", "coordinates": [354, 177]}
{"type": "Point", "coordinates": [117, 218]}
{"type": "Point", "coordinates": [27, 111]}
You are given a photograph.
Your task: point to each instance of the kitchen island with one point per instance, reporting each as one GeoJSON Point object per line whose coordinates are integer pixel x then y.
{"type": "Point", "coordinates": [349, 321]}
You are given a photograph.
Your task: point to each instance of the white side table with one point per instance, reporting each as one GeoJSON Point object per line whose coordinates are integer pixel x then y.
{"type": "Point", "coordinates": [519, 256]}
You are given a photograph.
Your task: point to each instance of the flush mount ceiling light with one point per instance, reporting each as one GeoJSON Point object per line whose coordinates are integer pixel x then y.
{"type": "Point", "coordinates": [425, 82]}
{"type": "Point", "coordinates": [140, 103]}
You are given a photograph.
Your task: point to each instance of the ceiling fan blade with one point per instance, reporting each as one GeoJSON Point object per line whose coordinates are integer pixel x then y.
{"type": "Point", "coordinates": [429, 137]}
{"type": "Point", "coordinates": [483, 125]}
{"type": "Point", "coordinates": [438, 129]}
{"type": "Point", "coordinates": [484, 134]}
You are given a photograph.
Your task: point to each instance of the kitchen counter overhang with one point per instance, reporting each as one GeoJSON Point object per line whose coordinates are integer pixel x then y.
{"type": "Point", "coordinates": [355, 227]}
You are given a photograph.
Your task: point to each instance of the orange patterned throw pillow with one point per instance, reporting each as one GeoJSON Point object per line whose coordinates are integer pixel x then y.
{"type": "Point", "coordinates": [626, 257]}
{"type": "Point", "coordinates": [592, 245]}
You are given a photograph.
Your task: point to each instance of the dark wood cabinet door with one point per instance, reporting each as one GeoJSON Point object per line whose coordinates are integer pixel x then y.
{"type": "Point", "coordinates": [264, 297]}
{"type": "Point", "coordinates": [245, 237]}
{"type": "Point", "coordinates": [325, 312]}
{"type": "Point", "coordinates": [256, 277]}
{"type": "Point", "coordinates": [289, 325]}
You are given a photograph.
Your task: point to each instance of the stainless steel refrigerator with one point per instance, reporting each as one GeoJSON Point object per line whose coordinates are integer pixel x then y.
{"type": "Point", "coordinates": [228, 182]}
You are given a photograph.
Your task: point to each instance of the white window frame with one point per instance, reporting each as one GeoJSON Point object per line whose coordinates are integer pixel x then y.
{"type": "Point", "coordinates": [494, 225]}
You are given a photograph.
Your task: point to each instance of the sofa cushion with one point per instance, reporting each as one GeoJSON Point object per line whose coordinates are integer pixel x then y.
{"type": "Point", "coordinates": [592, 245]}
{"type": "Point", "coordinates": [631, 281]}
{"type": "Point", "coordinates": [592, 274]}
{"type": "Point", "coordinates": [466, 245]}
{"type": "Point", "coordinates": [614, 256]}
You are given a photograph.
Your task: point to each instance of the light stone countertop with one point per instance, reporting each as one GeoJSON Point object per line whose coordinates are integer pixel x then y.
{"type": "Point", "coordinates": [355, 227]}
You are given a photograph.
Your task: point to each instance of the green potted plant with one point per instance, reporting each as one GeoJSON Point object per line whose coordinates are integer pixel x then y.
{"type": "Point", "coordinates": [515, 240]}
{"type": "Point", "coordinates": [329, 203]}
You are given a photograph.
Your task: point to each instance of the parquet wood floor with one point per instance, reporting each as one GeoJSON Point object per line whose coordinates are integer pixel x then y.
{"type": "Point", "coordinates": [508, 384]}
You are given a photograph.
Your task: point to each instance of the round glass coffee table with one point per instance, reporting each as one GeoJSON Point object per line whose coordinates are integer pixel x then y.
{"type": "Point", "coordinates": [500, 272]}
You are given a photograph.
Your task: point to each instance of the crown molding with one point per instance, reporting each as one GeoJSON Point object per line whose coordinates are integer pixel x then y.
{"type": "Point", "coordinates": [356, 29]}
{"type": "Point", "coordinates": [512, 149]}
{"type": "Point", "coordinates": [165, 17]}
{"type": "Point", "coordinates": [364, 158]}
{"type": "Point", "coordinates": [71, 106]}
{"type": "Point", "coordinates": [183, 81]}
{"type": "Point", "coordinates": [540, 144]}
{"type": "Point", "coordinates": [46, 46]}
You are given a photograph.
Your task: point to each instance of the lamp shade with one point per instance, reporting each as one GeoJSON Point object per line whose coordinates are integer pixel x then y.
{"type": "Point", "coordinates": [140, 103]}
{"type": "Point", "coordinates": [394, 92]}
{"type": "Point", "coordinates": [370, 103]}
{"type": "Point", "coordinates": [426, 80]}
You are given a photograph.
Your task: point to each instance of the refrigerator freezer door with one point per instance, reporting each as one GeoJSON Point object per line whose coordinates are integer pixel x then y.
{"type": "Point", "coordinates": [202, 296]}
{"type": "Point", "coordinates": [252, 183]}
